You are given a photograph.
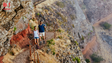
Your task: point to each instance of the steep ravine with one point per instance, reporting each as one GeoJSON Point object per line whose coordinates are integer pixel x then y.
{"type": "Point", "coordinates": [97, 43]}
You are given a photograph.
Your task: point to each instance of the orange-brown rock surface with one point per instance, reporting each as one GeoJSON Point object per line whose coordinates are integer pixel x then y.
{"type": "Point", "coordinates": [21, 38]}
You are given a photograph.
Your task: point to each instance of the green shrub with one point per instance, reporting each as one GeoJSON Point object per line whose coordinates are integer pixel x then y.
{"type": "Point", "coordinates": [82, 38]}
{"type": "Point", "coordinates": [91, 31]}
{"type": "Point", "coordinates": [88, 34]}
{"type": "Point", "coordinates": [73, 25]}
{"type": "Point", "coordinates": [77, 59]}
{"type": "Point", "coordinates": [38, 14]}
{"type": "Point", "coordinates": [15, 29]}
{"type": "Point", "coordinates": [53, 52]}
{"type": "Point", "coordinates": [60, 4]}
{"type": "Point", "coordinates": [76, 42]}
{"type": "Point", "coordinates": [50, 42]}
{"type": "Point", "coordinates": [53, 43]}
{"type": "Point", "coordinates": [105, 25]}
{"type": "Point", "coordinates": [59, 30]}
{"type": "Point", "coordinates": [32, 27]}
{"type": "Point", "coordinates": [60, 37]}
{"type": "Point", "coordinates": [60, 22]}
{"type": "Point", "coordinates": [96, 58]}
{"type": "Point", "coordinates": [83, 7]}
{"type": "Point", "coordinates": [33, 19]}
{"type": "Point", "coordinates": [87, 60]}
{"type": "Point", "coordinates": [23, 17]}
{"type": "Point", "coordinates": [73, 58]}
{"type": "Point", "coordinates": [93, 27]}
{"type": "Point", "coordinates": [63, 18]}
{"type": "Point", "coordinates": [11, 53]}
{"type": "Point", "coordinates": [47, 24]}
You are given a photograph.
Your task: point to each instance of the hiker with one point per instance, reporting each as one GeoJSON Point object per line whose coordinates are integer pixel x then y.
{"type": "Point", "coordinates": [42, 29]}
{"type": "Point", "coordinates": [36, 36]}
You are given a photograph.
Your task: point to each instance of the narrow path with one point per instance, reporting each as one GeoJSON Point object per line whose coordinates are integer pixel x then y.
{"type": "Point", "coordinates": [103, 20]}
{"type": "Point", "coordinates": [24, 56]}
{"type": "Point", "coordinates": [90, 45]}
{"type": "Point", "coordinates": [89, 48]}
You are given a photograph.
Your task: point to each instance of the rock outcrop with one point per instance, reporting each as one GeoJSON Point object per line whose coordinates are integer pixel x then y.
{"type": "Point", "coordinates": [16, 17]}
{"type": "Point", "coordinates": [22, 38]}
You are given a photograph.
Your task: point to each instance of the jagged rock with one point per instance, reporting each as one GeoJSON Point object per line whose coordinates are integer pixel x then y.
{"type": "Point", "coordinates": [9, 19]}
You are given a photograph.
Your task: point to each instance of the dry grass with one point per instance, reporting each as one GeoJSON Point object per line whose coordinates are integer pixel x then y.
{"type": "Point", "coordinates": [60, 4]}
{"type": "Point", "coordinates": [72, 17]}
{"type": "Point", "coordinates": [63, 18]}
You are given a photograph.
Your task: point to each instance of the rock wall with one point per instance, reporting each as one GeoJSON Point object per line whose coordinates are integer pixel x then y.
{"type": "Point", "coordinates": [16, 17]}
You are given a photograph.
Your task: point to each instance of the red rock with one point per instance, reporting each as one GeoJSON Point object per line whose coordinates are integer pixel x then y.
{"type": "Point", "coordinates": [1, 58]}
{"type": "Point", "coordinates": [21, 38]}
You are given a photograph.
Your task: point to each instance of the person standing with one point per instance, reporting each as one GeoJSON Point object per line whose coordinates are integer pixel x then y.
{"type": "Point", "coordinates": [36, 36]}
{"type": "Point", "coordinates": [42, 29]}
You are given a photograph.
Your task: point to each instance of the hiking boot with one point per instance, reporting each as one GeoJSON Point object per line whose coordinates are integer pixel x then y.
{"type": "Point", "coordinates": [37, 47]}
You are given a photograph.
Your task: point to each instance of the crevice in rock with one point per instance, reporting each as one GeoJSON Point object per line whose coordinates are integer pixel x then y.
{"type": "Point", "coordinates": [19, 8]}
{"type": "Point", "coordinates": [7, 25]}
{"type": "Point", "coordinates": [16, 10]}
{"type": "Point", "coordinates": [79, 35]}
{"type": "Point", "coordinates": [5, 43]}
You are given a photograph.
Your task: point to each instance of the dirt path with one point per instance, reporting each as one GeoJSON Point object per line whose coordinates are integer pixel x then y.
{"type": "Point", "coordinates": [91, 46]}
{"type": "Point", "coordinates": [22, 58]}
{"type": "Point", "coordinates": [103, 20]}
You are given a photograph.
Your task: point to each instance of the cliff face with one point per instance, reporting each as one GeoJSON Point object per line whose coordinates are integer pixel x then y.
{"type": "Point", "coordinates": [58, 14]}
{"type": "Point", "coordinates": [15, 17]}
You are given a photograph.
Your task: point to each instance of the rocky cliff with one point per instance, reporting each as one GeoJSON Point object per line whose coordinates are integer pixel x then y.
{"type": "Point", "coordinates": [18, 16]}
{"type": "Point", "coordinates": [64, 14]}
